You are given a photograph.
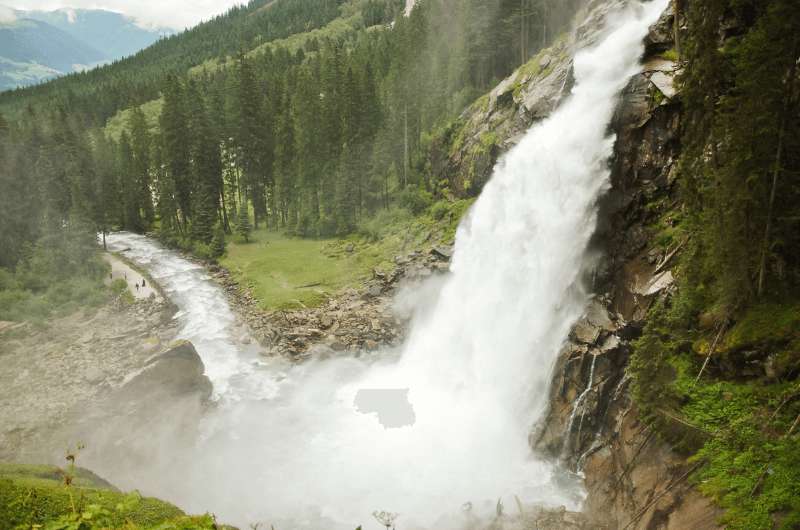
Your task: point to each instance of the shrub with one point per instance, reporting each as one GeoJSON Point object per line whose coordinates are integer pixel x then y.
{"type": "Point", "coordinates": [119, 286]}
{"type": "Point", "coordinates": [202, 251]}
{"type": "Point", "coordinates": [383, 223]}
{"type": "Point", "coordinates": [440, 210]}
{"type": "Point", "coordinates": [415, 200]}
{"type": "Point", "coordinates": [218, 242]}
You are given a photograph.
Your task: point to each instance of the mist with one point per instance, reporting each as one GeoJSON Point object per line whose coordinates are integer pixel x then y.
{"type": "Point", "coordinates": [283, 444]}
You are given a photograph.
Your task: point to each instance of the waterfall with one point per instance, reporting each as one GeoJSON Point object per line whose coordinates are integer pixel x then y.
{"type": "Point", "coordinates": [475, 368]}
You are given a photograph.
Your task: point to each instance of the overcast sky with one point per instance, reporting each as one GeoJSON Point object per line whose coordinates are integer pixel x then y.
{"type": "Point", "coordinates": [177, 14]}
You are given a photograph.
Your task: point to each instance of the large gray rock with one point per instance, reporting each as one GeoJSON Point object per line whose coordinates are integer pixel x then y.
{"type": "Point", "coordinates": [177, 372]}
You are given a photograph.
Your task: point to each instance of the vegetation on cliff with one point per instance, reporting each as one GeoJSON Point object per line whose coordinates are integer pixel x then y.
{"type": "Point", "coordinates": [716, 370]}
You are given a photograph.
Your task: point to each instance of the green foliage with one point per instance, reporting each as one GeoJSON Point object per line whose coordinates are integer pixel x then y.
{"type": "Point", "coordinates": [218, 243]}
{"type": "Point", "coordinates": [741, 131]}
{"type": "Point", "coordinates": [60, 272]}
{"type": "Point", "coordinates": [753, 464]}
{"type": "Point", "coordinates": [767, 325]}
{"type": "Point", "coordinates": [383, 223]}
{"type": "Point", "coordinates": [36, 496]}
{"type": "Point", "coordinates": [243, 226]}
{"type": "Point", "coordinates": [739, 429]}
{"type": "Point", "coordinates": [311, 116]}
{"type": "Point", "coordinates": [415, 200]}
{"type": "Point", "coordinates": [671, 55]}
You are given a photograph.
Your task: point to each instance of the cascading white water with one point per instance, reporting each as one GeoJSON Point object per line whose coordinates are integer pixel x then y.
{"type": "Point", "coordinates": [477, 363]}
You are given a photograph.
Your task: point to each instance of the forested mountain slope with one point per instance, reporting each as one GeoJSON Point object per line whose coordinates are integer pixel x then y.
{"type": "Point", "coordinates": [313, 138]}
{"type": "Point", "coordinates": [98, 94]}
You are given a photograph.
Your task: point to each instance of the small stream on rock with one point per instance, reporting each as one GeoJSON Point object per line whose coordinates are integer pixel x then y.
{"type": "Point", "coordinates": [297, 447]}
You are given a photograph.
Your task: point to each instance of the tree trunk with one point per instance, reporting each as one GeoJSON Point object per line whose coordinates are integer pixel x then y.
{"type": "Point", "coordinates": [225, 222]}
{"type": "Point", "coordinates": [776, 171]}
{"type": "Point", "coordinates": [522, 31]}
{"type": "Point", "coordinates": [677, 26]}
{"type": "Point", "coordinates": [765, 245]}
{"type": "Point", "coordinates": [405, 146]}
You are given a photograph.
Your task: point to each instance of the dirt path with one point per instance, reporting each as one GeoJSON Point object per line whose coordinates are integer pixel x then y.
{"type": "Point", "coordinates": [122, 271]}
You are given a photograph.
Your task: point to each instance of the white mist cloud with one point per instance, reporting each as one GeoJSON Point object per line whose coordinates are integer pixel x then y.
{"type": "Point", "coordinates": [7, 15]}
{"type": "Point", "coordinates": [176, 14]}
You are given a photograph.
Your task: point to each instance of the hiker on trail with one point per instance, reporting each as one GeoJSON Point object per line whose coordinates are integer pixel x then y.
{"type": "Point", "coordinates": [137, 286]}
{"type": "Point", "coordinates": [110, 275]}
{"type": "Point", "coordinates": [126, 276]}
{"type": "Point", "coordinates": [144, 283]}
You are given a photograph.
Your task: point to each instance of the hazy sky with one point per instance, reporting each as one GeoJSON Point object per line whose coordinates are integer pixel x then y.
{"type": "Point", "coordinates": [177, 14]}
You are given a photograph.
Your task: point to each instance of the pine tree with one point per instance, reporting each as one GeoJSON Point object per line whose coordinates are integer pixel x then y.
{"type": "Point", "coordinates": [218, 242]}
{"type": "Point", "coordinates": [141, 145]}
{"type": "Point", "coordinates": [285, 165]}
{"type": "Point", "coordinates": [105, 185]}
{"type": "Point", "coordinates": [206, 167]}
{"type": "Point", "coordinates": [176, 149]}
{"type": "Point", "coordinates": [129, 186]}
{"type": "Point", "coordinates": [248, 135]}
{"type": "Point", "coordinates": [243, 226]}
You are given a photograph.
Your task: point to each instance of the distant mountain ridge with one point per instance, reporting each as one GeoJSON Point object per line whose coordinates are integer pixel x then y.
{"type": "Point", "coordinates": [40, 45]}
{"type": "Point", "coordinates": [115, 34]}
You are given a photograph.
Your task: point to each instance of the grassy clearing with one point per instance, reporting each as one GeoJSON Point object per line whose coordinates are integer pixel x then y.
{"type": "Point", "coordinates": [285, 273]}
{"type": "Point", "coordinates": [288, 273]}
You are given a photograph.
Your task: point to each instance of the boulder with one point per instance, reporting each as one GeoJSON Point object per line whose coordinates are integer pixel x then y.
{"type": "Point", "coordinates": [176, 372]}
{"type": "Point", "coordinates": [442, 253]}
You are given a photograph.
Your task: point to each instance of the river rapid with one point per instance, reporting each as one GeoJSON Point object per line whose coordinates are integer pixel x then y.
{"type": "Point", "coordinates": [286, 445]}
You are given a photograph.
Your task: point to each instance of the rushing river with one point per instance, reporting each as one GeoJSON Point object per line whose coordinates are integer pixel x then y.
{"type": "Point", "coordinates": [204, 316]}
{"type": "Point", "coordinates": [288, 445]}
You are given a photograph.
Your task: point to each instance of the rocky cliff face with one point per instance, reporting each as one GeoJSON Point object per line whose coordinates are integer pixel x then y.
{"type": "Point", "coordinates": [633, 479]}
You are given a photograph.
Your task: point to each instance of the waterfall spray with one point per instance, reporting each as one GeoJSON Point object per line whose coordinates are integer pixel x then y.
{"type": "Point", "coordinates": [476, 366]}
